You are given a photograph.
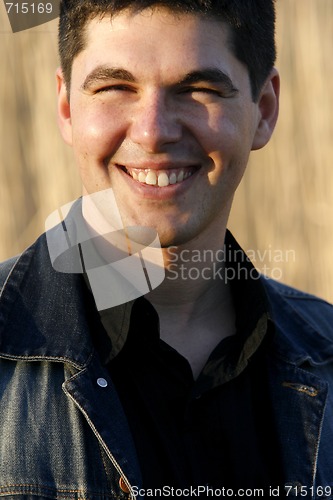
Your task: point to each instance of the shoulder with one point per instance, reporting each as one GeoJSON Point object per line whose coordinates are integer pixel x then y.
{"type": "Point", "coordinates": [5, 269]}
{"type": "Point", "coordinates": [302, 320]}
{"type": "Point", "coordinates": [313, 310]}
{"type": "Point", "coordinates": [31, 263]}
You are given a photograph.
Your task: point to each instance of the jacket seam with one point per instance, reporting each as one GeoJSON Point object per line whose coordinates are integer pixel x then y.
{"type": "Point", "coordinates": [58, 491]}
{"type": "Point", "coordinates": [97, 434]}
{"type": "Point", "coordinates": [56, 359]}
{"type": "Point", "coordinates": [12, 261]}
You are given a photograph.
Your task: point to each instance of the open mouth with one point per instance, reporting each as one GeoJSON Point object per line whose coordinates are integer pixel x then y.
{"type": "Point", "coordinates": [159, 178]}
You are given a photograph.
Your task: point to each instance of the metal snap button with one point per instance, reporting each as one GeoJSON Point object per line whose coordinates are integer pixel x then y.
{"type": "Point", "coordinates": [102, 382]}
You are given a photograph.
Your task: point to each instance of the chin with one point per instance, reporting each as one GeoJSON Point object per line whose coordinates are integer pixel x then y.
{"type": "Point", "coordinates": [175, 239]}
{"type": "Point", "coordinates": [172, 231]}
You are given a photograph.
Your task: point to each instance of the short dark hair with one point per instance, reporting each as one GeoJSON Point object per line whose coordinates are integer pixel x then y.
{"type": "Point", "coordinates": [251, 24]}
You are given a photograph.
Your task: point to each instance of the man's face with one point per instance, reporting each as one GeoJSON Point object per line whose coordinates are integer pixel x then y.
{"type": "Point", "coordinates": [161, 112]}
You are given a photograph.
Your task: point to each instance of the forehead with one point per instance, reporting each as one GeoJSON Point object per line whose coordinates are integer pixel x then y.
{"type": "Point", "coordinates": [156, 38]}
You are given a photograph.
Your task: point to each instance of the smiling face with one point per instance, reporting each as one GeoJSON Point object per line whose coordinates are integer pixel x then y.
{"type": "Point", "coordinates": [161, 112]}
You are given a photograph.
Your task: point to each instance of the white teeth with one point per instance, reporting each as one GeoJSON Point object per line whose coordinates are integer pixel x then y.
{"type": "Point", "coordinates": [163, 180]}
{"type": "Point", "coordinates": [160, 179]}
{"type": "Point", "coordinates": [180, 177]}
{"type": "Point", "coordinates": [173, 178]}
{"type": "Point", "coordinates": [142, 177]}
{"type": "Point", "coordinates": [151, 178]}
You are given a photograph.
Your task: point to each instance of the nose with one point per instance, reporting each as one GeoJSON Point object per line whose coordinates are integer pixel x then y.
{"type": "Point", "coordinates": [155, 123]}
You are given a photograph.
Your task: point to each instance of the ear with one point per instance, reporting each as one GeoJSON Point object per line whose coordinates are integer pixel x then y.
{"type": "Point", "coordinates": [64, 110]}
{"type": "Point", "coordinates": [268, 107]}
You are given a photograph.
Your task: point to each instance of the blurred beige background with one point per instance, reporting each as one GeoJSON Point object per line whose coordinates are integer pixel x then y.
{"type": "Point", "coordinates": [283, 211]}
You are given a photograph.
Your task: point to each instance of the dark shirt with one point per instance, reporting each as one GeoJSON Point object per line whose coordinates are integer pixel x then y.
{"type": "Point", "coordinates": [217, 430]}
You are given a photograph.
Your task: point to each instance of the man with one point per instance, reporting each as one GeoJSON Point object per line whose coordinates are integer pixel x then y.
{"type": "Point", "coordinates": [217, 386]}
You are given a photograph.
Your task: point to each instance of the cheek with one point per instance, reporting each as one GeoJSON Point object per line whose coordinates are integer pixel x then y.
{"type": "Point", "coordinates": [215, 128]}
{"type": "Point", "coordinates": [97, 132]}
{"type": "Point", "coordinates": [228, 137]}
{"type": "Point", "coordinates": [228, 146]}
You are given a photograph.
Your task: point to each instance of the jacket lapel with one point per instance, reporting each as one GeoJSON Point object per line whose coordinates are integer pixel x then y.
{"type": "Point", "coordinates": [94, 394]}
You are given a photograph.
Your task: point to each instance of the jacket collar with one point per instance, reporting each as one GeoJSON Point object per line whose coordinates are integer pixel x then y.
{"type": "Point", "coordinates": [49, 313]}
{"type": "Point", "coordinates": [303, 324]}
{"type": "Point", "coordinates": [46, 311]}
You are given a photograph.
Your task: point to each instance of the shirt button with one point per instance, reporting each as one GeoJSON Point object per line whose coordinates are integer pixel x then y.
{"type": "Point", "coordinates": [102, 382]}
{"type": "Point", "coordinates": [123, 486]}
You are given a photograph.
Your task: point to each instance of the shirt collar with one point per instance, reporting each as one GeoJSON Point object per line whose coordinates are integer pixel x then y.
{"type": "Point", "coordinates": [250, 306]}
{"type": "Point", "coordinates": [233, 353]}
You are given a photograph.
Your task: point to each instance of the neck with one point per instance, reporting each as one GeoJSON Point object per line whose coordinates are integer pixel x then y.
{"type": "Point", "coordinates": [193, 274]}
{"type": "Point", "coordinates": [194, 302]}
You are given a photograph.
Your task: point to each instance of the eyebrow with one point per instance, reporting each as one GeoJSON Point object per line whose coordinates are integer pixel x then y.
{"type": "Point", "coordinates": [105, 73]}
{"type": "Point", "coordinates": [208, 75]}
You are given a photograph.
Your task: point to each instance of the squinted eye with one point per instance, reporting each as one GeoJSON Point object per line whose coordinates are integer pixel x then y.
{"type": "Point", "coordinates": [114, 88]}
{"type": "Point", "coordinates": [203, 90]}
{"type": "Point", "coordinates": [222, 91]}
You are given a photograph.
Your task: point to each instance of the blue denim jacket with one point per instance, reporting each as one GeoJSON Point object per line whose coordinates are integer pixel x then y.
{"type": "Point", "coordinates": [63, 435]}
